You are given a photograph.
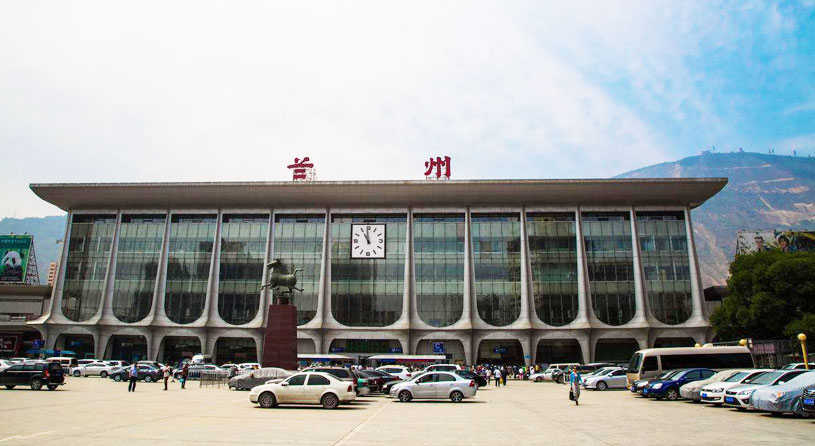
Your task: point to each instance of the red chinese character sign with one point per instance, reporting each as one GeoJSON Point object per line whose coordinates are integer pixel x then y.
{"type": "Point", "coordinates": [303, 170]}
{"type": "Point", "coordinates": [441, 167]}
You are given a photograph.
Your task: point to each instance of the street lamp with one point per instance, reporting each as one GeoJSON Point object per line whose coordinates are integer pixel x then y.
{"type": "Point", "coordinates": [803, 338]}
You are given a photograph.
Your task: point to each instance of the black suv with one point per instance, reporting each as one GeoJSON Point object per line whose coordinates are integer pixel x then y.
{"type": "Point", "coordinates": [35, 375]}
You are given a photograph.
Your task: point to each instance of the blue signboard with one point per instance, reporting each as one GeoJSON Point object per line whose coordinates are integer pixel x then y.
{"type": "Point", "coordinates": [438, 347]}
{"type": "Point", "coordinates": [499, 350]}
{"type": "Point", "coordinates": [57, 352]}
{"type": "Point", "coordinates": [38, 343]}
{"type": "Point", "coordinates": [395, 350]}
{"type": "Point", "coordinates": [337, 349]}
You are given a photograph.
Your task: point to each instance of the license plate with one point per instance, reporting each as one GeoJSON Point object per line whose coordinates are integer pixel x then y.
{"type": "Point", "coordinates": [809, 401]}
{"type": "Point", "coordinates": [644, 390]}
{"type": "Point", "coordinates": [704, 395]}
{"type": "Point", "coordinates": [730, 400]}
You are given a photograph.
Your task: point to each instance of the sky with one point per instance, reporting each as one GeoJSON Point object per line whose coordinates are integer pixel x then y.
{"type": "Point", "coordinates": [115, 91]}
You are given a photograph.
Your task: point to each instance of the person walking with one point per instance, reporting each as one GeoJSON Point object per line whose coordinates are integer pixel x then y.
{"type": "Point", "coordinates": [134, 376]}
{"type": "Point", "coordinates": [504, 373]}
{"type": "Point", "coordinates": [497, 376]}
{"type": "Point", "coordinates": [185, 372]}
{"type": "Point", "coordinates": [167, 373]}
{"type": "Point", "coordinates": [575, 380]}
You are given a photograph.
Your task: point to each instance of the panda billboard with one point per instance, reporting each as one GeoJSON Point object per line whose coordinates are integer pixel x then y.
{"type": "Point", "coordinates": [14, 250]}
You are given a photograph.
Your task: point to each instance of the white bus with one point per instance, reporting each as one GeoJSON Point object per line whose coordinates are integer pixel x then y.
{"type": "Point", "coordinates": [653, 361]}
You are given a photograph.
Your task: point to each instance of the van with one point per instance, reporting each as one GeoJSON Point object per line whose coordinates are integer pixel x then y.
{"type": "Point", "coordinates": [201, 359]}
{"type": "Point", "coordinates": [547, 374]}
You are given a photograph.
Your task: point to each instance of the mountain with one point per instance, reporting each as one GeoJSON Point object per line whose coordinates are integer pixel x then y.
{"type": "Point", "coordinates": [763, 192]}
{"type": "Point", "coordinates": [46, 232]}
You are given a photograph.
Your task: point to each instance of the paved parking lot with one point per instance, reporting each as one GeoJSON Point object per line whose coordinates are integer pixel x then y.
{"type": "Point", "coordinates": [95, 411]}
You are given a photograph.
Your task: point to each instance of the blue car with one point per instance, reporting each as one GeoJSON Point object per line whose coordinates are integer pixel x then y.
{"type": "Point", "coordinates": [669, 388]}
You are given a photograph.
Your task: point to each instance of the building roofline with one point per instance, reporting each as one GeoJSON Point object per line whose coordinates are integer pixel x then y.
{"type": "Point", "coordinates": [269, 194]}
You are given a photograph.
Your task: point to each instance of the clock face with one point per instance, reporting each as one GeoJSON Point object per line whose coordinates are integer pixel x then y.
{"type": "Point", "coordinates": [367, 241]}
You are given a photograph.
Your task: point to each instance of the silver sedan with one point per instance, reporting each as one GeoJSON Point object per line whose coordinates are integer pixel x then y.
{"type": "Point", "coordinates": [435, 385]}
{"type": "Point", "coordinates": [606, 378]}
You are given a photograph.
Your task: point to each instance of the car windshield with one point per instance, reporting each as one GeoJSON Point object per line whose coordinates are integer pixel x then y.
{"type": "Point", "coordinates": [668, 374]}
{"type": "Point", "coordinates": [418, 375]}
{"type": "Point", "coordinates": [737, 377]}
{"type": "Point", "coordinates": [635, 362]}
{"type": "Point", "coordinates": [766, 378]}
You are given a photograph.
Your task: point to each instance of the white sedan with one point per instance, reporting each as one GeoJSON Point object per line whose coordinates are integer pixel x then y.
{"type": "Point", "coordinates": [435, 385]}
{"type": "Point", "coordinates": [304, 388]}
{"type": "Point", "coordinates": [102, 369]}
{"type": "Point", "coordinates": [399, 371]}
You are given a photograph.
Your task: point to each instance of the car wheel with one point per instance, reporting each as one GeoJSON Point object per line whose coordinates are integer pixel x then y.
{"type": "Point", "coordinates": [77, 374]}
{"type": "Point", "coordinates": [104, 374]}
{"type": "Point", "coordinates": [267, 400]}
{"type": "Point", "coordinates": [36, 384]}
{"type": "Point", "coordinates": [672, 395]}
{"type": "Point", "coordinates": [52, 387]}
{"type": "Point", "coordinates": [148, 379]}
{"type": "Point", "coordinates": [117, 378]}
{"type": "Point", "coordinates": [330, 401]}
{"type": "Point", "coordinates": [405, 396]}
{"type": "Point", "coordinates": [602, 386]}
{"type": "Point", "coordinates": [456, 396]}
{"type": "Point", "coordinates": [538, 379]}
{"type": "Point", "coordinates": [10, 387]}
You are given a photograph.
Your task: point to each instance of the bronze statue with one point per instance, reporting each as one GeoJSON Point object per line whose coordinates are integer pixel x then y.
{"type": "Point", "coordinates": [280, 278]}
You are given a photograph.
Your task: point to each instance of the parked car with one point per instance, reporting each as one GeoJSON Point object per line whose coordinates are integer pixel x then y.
{"type": "Point", "coordinates": [798, 366]}
{"type": "Point", "coordinates": [375, 382]}
{"type": "Point", "coordinates": [669, 388]}
{"type": "Point", "coordinates": [101, 369]}
{"type": "Point", "coordinates": [257, 377]}
{"type": "Point", "coordinates": [304, 388]}
{"type": "Point", "coordinates": [154, 364]}
{"type": "Point", "coordinates": [593, 367]}
{"type": "Point", "coordinates": [546, 375]}
{"type": "Point", "coordinates": [714, 392]}
{"type": "Point", "coordinates": [692, 390]}
{"type": "Point", "coordinates": [338, 372]}
{"type": "Point", "coordinates": [480, 381]}
{"type": "Point", "coordinates": [398, 371]}
{"type": "Point", "coordinates": [248, 365]}
{"type": "Point", "coordinates": [17, 360]}
{"type": "Point", "coordinates": [67, 362]}
{"type": "Point", "coordinates": [442, 368]}
{"type": "Point", "coordinates": [4, 364]}
{"type": "Point", "coordinates": [117, 363]}
{"type": "Point", "coordinates": [639, 385]}
{"type": "Point", "coordinates": [606, 378]}
{"type": "Point", "coordinates": [388, 386]}
{"type": "Point", "coordinates": [435, 385]}
{"type": "Point", "coordinates": [739, 396]}
{"type": "Point", "coordinates": [783, 398]}
{"type": "Point", "coordinates": [808, 400]}
{"type": "Point", "coordinates": [35, 375]}
{"type": "Point", "coordinates": [85, 361]}
{"type": "Point", "coordinates": [147, 374]}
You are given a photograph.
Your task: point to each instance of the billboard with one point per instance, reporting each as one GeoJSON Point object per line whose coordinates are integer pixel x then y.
{"type": "Point", "coordinates": [14, 250]}
{"type": "Point", "coordinates": [768, 240]}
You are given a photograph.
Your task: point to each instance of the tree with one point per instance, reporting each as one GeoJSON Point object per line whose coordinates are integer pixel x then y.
{"type": "Point", "coordinates": [772, 296]}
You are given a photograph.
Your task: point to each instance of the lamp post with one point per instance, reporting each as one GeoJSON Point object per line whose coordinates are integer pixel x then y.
{"type": "Point", "coordinates": [803, 338]}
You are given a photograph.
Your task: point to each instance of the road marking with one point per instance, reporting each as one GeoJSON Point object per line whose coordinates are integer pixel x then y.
{"type": "Point", "coordinates": [22, 437]}
{"type": "Point", "coordinates": [360, 425]}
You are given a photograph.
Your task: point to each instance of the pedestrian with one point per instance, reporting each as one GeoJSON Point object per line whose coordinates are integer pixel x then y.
{"type": "Point", "coordinates": [497, 375]}
{"type": "Point", "coordinates": [575, 380]}
{"type": "Point", "coordinates": [167, 373]}
{"type": "Point", "coordinates": [185, 372]}
{"type": "Point", "coordinates": [504, 374]}
{"type": "Point", "coordinates": [134, 376]}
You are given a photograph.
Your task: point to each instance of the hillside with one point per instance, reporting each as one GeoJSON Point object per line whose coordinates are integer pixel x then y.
{"type": "Point", "coordinates": [763, 192]}
{"type": "Point", "coordinates": [46, 232]}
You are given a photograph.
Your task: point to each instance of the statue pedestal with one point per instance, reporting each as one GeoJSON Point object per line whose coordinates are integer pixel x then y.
{"type": "Point", "coordinates": [280, 339]}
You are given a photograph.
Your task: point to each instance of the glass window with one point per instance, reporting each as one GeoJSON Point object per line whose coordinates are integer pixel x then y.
{"type": "Point", "coordinates": [298, 243]}
{"type": "Point", "coordinates": [497, 265]}
{"type": "Point", "coordinates": [137, 260]}
{"type": "Point", "coordinates": [444, 378]}
{"type": "Point", "coordinates": [553, 255]}
{"type": "Point", "coordinates": [317, 380]}
{"type": "Point", "coordinates": [89, 248]}
{"type": "Point", "coordinates": [243, 251]}
{"type": "Point", "coordinates": [610, 263]}
{"type": "Point", "coordinates": [188, 264]}
{"type": "Point", "coordinates": [666, 265]}
{"type": "Point", "coordinates": [367, 292]}
{"type": "Point", "coordinates": [438, 244]}
{"type": "Point", "coordinates": [297, 380]}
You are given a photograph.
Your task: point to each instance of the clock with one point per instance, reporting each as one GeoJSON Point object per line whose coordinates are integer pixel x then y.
{"type": "Point", "coordinates": [367, 241]}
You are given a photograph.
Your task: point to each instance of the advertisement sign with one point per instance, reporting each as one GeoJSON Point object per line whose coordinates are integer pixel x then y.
{"type": "Point", "coordinates": [500, 350]}
{"type": "Point", "coordinates": [8, 343]}
{"type": "Point", "coordinates": [38, 343]}
{"type": "Point", "coordinates": [769, 240]}
{"type": "Point", "coordinates": [14, 251]}
{"type": "Point", "coordinates": [438, 347]}
{"type": "Point", "coordinates": [395, 350]}
{"type": "Point", "coordinates": [336, 349]}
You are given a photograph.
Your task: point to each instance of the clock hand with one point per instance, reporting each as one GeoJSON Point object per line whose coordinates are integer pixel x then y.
{"type": "Point", "coordinates": [367, 236]}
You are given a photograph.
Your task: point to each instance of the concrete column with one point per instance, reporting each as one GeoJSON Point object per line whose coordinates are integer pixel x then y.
{"type": "Point", "coordinates": [467, 342]}
{"type": "Point", "coordinates": [404, 319]}
{"type": "Point", "coordinates": [105, 312]}
{"type": "Point", "coordinates": [148, 336]}
{"type": "Point", "coordinates": [156, 345]}
{"type": "Point", "coordinates": [698, 313]}
{"type": "Point", "coordinates": [203, 338]}
{"type": "Point", "coordinates": [210, 312]}
{"type": "Point", "coordinates": [54, 309]}
{"type": "Point", "coordinates": [263, 302]}
{"type": "Point", "coordinates": [158, 313]}
{"type": "Point", "coordinates": [51, 339]}
{"type": "Point", "coordinates": [527, 305]}
{"type": "Point", "coordinates": [639, 284]}
{"type": "Point", "coordinates": [529, 350]}
{"type": "Point", "coordinates": [102, 346]}
{"type": "Point", "coordinates": [583, 304]}
{"type": "Point", "coordinates": [585, 349]}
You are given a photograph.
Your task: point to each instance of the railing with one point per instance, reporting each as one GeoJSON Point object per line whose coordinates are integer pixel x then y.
{"type": "Point", "coordinates": [212, 378]}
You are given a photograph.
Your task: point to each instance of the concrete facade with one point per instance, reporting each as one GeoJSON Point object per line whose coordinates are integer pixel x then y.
{"type": "Point", "coordinates": [462, 338]}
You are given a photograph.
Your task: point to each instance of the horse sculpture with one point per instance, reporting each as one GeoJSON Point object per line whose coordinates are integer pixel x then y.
{"type": "Point", "coordinates": [281, 278]}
